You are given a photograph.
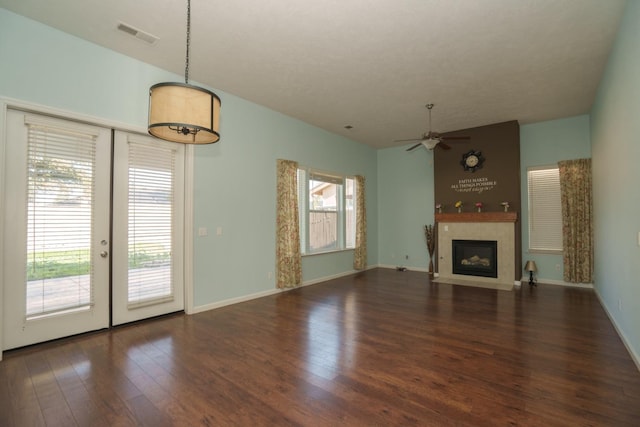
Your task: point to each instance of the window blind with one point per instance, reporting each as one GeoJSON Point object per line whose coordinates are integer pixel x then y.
{"type": "Point", "coordinates": [319, 176]}
{"type": "Point", "coordinates": [545, 209]}
{"type": "Point", "coordinates": [302, 209]}
{"type": "Point", "coordinates": [150, 205]}
{"type": "Point", "coordinates": [350, 212]}
{"type": "Point", "coordinates": [60, 195]}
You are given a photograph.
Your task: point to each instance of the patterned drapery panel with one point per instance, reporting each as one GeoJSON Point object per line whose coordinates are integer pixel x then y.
{"type": "Point", "coordinates": [577, 220]}
{"type": "Point", "coordinates": [360, 252]}
{"type": "Point", "coordinates": [288, 256]}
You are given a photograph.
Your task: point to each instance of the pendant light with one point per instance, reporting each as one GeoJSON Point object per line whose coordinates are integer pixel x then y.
{"type": "Point", "coordinates": [180, 112]}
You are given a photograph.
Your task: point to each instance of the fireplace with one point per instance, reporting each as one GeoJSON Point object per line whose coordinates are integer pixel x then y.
{"type": "Point", "coordinates": [475, 257]}
{"type": "Point", "coordinates": [478, 226]}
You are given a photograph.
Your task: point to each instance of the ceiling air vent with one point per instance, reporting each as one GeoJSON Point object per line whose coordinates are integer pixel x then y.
{"type": "Point", "coordinates": [139, 34]}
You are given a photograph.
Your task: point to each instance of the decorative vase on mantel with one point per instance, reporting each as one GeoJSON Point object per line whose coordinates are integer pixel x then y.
{"type": "Point", "coordinates": [459, 209]}
{"type": "Point", "coordinates": [479, 210]}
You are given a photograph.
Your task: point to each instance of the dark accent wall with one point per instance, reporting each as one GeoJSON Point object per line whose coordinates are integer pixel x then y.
{"type": "Point", "coordinates": [497, 181]}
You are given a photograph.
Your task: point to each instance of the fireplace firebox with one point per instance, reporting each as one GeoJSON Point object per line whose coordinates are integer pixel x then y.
{"type": "Point", "coordinates": [475, 257]}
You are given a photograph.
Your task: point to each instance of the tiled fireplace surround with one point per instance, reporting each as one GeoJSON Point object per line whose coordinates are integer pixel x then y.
{"type": "Point", "coordinates": [498, 226]}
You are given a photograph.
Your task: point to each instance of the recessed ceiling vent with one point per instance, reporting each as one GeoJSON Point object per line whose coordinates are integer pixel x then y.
{"type": "Point", "coordinates": [139, 34]}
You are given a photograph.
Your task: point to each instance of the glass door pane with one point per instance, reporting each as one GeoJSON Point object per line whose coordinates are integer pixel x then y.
{"type": "Point", "coordinates": [151, 183]}
{"type": "Point", "coordinates": [60, 194]}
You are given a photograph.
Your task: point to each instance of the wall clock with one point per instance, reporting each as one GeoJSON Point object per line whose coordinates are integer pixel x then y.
{"type": "Point", "coordinates": [472, 161]}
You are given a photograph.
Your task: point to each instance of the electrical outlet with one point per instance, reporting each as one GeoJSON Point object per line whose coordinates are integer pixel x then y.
{"type": "Point", "coordinates": [558, 267]}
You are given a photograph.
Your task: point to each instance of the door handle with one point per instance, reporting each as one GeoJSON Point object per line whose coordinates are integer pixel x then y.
{"type": "Point", "coordinates": [104, 254]}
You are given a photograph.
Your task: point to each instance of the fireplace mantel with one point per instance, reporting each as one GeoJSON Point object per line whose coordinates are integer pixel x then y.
{"type": "Point", "coordinates": [477, 217]}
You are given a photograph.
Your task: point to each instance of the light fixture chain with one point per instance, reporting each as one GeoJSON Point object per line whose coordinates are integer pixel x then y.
{"type": "Point", "coordinates": [186, 66]}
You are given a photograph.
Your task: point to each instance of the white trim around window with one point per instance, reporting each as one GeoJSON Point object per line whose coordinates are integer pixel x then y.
{"type": "Point", "coordinates": [327, 205]}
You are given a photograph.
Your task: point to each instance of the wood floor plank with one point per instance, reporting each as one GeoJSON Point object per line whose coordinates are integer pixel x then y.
{"type": "Point", "coordinates": [6, 411]}
{"type": "Point", "coordinates": [379, 347]}
{"type": "Point", "coordinates": [25, 409]}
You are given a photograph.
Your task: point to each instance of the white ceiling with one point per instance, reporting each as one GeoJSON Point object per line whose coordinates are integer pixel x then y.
{"type": "Point", "coordinates": [370, 64]}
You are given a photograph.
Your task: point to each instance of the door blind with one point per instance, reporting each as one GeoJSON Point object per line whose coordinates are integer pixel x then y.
{"type": "Point", "coordinates": [151, 207]}
{"type": "Point", "coordinates": [60, 194]}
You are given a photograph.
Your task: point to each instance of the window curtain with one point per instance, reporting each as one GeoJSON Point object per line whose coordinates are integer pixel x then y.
{"type": "Point", "coordinates": [360, 252]}
{"type": "Point", "coordinates": [577, 216]}
{"type": "Point", "coordinates": [288, 256]}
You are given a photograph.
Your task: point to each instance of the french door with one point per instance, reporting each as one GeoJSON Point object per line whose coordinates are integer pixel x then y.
{"type": "Point", "coordinates": [148, 206]}
{"type": "Point", "coordinates": [62, 272]}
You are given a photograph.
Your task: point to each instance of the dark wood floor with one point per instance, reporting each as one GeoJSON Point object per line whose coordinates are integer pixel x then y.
{"type": "Point", "coordinates": [378, 348]}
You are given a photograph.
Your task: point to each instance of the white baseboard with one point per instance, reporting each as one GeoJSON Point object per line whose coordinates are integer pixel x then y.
{"type": "Point", "coordinates": [634, 356]}
{"type": "Point", "coordinates": [525, 280]}
{"type": "Point", "coordinates": [244, 298]}
{"type": "Point", "coordinates": [334, 276]}
{"type": "Point", "coordinates": [393, 267]}
{"type": "Point", "coordinates": [230, 301]}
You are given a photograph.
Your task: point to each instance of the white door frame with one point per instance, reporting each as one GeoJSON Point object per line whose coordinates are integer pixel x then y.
{"type": "Point", "coordinates": [6, 103]}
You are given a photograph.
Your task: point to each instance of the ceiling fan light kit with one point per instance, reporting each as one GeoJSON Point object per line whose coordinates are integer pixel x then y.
{"type": "Point", "coordinates": [430, 144]}
{"type": "Point", "coordinates": [431, 140]}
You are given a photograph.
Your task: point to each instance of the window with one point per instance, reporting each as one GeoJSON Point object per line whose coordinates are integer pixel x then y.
{"type": "Point", "coordinates": [327, 211]}
{"type": "Point", "coordinates": [545, 209]}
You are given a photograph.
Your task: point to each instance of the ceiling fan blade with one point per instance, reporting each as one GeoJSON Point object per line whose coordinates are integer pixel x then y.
{"type": "Point", "coordinates": [407, 140]}
{"type": "Point", "coordinates": [443, 146]}
{"type": "Point", "coordinates": [454, 137]}
{"type": "Point", "coordinates": [415, 146]}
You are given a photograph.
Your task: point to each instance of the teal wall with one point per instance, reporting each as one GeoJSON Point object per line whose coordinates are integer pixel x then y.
{"type": "Point", "coordinates": [615, 137]}
{"type": "Point", "coordinates": [41, 65]}
{"type": "Point", "coordinates": [545, 144]}
{"type": "Point", "coordinates": [234, 179]}
{"type": "Point", "coordinates": [235, 190]}
{"type": "Point", "coordinates": [405, 205]}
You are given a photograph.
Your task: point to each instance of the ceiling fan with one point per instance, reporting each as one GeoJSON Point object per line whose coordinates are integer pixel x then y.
{"type": "Point", "coordinates": [431, 139]}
